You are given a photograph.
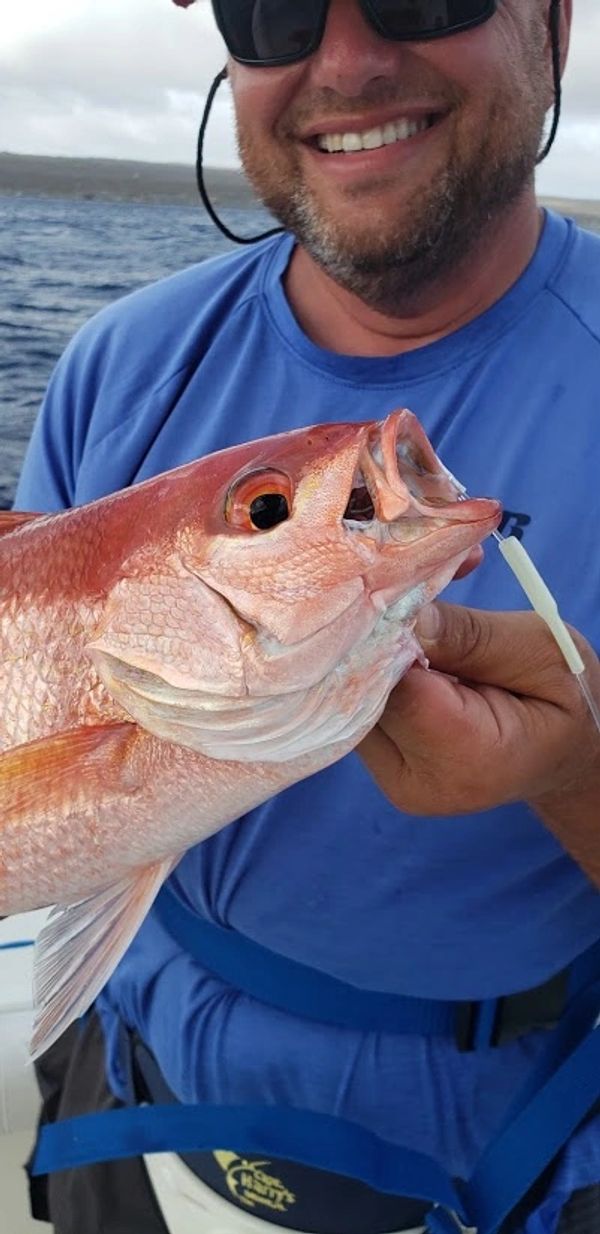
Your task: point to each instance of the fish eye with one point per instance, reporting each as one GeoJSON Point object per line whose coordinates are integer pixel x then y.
{"type": "Point", "coordinates": [259, 501]}
{"type": "Point", "coordinates": [268, 510]}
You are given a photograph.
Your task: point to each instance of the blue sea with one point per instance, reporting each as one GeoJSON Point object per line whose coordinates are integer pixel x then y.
{"type": "Point", "coordinates": [63, 259]}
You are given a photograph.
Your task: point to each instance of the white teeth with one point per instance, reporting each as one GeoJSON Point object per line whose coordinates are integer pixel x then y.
{"type": "Point", "coordinates": [371, 139]}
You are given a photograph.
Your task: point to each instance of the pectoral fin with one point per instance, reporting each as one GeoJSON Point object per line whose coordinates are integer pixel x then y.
{"type": "Point", "coordinates": [72, 774]}
{"type": "Point", "coordinates": [11, 520]}
{"type": "Point", "coordinates": [82, 944]}
{"type": "Point", "coordinates": [43, 772]}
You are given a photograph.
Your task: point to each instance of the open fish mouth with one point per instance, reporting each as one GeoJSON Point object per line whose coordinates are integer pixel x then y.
{"type": "Point", "coordinates": [402, 492]}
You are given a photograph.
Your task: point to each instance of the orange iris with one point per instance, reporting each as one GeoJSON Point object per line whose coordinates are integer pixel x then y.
{"type": "Point", "coordinates": [259, 500]}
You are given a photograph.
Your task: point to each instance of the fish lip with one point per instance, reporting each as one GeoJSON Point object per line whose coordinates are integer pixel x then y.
{"type": "Point", "coordinates": [476, 520]}
{"type": "Point", "coordinates": [405, 480]}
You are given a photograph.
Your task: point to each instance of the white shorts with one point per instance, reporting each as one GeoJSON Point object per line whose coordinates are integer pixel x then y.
{"type": "Point", "coordinates": [188, 1206]}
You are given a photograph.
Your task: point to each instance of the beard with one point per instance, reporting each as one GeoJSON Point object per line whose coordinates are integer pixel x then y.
{"type": "Point", "coordinates": [393, 258]}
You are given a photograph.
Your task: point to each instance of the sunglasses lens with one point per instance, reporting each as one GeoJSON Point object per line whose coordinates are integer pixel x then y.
{"type": "Point", "coordinates": [261, 31]}
{"type": "Point", "coordinates": [280, 31]}
{"type": "Point", "coordinates": [406, 19]}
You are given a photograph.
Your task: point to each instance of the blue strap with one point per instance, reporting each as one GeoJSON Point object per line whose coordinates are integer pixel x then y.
{"type": "Point", "coordinates": [561, 1091]}
{"type": "Point", "coordinates": [294, 987]}
{"type": "Point", "coordinates": [312, 1139]}
{"type": "Point", "coordinates": [563, 1088]}
{"type": "Point", "coordinates": [511, 1165]}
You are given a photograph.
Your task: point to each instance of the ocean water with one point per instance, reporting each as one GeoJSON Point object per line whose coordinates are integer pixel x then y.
{"type": "Point", "coordinates": [61, 260]}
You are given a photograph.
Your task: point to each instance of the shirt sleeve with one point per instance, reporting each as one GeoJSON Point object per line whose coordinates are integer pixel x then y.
{"type": "Point", "coordinates": [75, 396]}
{"type": "Point", "coordinates": [115, 385]}
{"type": "Point", "coordinates": [47, 480]}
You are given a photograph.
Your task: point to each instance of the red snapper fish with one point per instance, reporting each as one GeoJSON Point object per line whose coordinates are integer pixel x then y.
{"type": "Point", "coordinates": [174, 654]}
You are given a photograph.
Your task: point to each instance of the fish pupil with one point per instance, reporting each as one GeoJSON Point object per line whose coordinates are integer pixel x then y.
{"type": "Point", "coordinates": [268, 510]}
{"type": "Point", "coordinates": [360, 506]}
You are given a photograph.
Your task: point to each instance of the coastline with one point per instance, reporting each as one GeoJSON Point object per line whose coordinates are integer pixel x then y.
{"type": "Point", "coordinates": [165, 184]}
{"type": "Point", "coordinates": [120, 180]}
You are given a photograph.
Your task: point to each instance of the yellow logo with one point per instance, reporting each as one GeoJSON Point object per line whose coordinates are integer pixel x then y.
{"type": "Point", "coordinates": [249, 1184]}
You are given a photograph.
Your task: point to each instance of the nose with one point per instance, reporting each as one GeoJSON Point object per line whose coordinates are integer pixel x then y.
{"type": "Point", "coordinates": [351, 52]}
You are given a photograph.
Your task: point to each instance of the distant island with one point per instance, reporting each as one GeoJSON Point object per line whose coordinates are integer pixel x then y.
{"type": "Point", "coordinates": [120, 180]}
{"type": "Point", "coordinates": [165, 183]}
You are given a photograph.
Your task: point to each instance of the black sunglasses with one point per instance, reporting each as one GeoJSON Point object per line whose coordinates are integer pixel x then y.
{"type": "Point", "coordinates": [271, 32]}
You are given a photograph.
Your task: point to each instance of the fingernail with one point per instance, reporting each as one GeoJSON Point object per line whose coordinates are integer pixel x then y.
{"type": "Point", "coordinates": [429, 624]}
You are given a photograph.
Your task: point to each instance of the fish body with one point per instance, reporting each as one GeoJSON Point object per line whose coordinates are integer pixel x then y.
{"type": "Point", "coordinates": [174, 654]}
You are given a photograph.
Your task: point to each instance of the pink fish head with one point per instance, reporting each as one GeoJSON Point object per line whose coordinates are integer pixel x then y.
{"type": "Point", "coordinates": [275, 607]}
{"type": "Point", "coordinates": [316, 519]}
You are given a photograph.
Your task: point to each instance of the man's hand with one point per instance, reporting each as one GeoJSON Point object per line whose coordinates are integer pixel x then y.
{"type": "Point", "coordinates": [500, 719]}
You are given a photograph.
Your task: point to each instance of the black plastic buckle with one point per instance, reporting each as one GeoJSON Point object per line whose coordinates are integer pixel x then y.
{"type": "Point", "coordinates": [513, 1016]}
{"type": "Point", "coordinates": [467, 1024]}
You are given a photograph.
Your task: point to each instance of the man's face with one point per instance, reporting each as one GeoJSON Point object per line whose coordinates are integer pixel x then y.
{"type": "Point", "coordinates": [468, 112]}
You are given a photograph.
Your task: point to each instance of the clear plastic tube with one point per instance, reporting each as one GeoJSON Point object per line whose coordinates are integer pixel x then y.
{"type": "Point", "coordinates": [586, 690]}
{"type": "Point", "coordinates": [538, 593]}
{"type": "Point", "coordinates": [542, 601]}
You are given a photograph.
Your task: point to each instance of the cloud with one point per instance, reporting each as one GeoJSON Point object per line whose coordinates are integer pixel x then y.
{"type": "Point", "coordinates": [120, 54]}
{"type": "Point", "coordinates": [573, 167]}
{"type": "Point", "coordinates": [113, 79]}
{"type": "Point", "coordinates": [164, 129]}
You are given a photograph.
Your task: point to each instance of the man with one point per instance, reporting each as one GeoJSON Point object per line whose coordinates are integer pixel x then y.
{"type": "Point", "coordinates": [416, 269]}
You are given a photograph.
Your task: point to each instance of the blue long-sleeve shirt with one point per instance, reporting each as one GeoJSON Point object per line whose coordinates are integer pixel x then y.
{"type": "Point", "coordinates": [329, 873]}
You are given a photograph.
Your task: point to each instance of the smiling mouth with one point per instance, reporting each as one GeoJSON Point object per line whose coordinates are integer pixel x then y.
{"type": "Point", "coordinates": [388, 134]}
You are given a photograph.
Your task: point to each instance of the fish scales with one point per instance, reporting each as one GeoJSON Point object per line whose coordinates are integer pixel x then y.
{"type": "Point", "coordinates": [174, 654]}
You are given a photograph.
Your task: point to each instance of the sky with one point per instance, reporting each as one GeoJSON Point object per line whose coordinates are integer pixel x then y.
{"type": "Point", "coordinates": [128, 79]}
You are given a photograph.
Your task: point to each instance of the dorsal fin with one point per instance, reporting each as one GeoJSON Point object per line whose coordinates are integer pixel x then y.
{"type": "Point", "coordinates": [11, 520]}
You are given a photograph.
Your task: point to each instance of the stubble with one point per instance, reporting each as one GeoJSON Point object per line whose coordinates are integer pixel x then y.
{"type": "Point", "coordinates": [392, 259]}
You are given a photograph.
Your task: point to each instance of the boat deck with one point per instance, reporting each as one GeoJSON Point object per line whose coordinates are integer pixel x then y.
{"type": "Point", "coordinates": [19, 1102]}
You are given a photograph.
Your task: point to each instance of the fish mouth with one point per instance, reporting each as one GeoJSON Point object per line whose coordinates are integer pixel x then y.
{"type": "Point", "coordinates": [401, 492]}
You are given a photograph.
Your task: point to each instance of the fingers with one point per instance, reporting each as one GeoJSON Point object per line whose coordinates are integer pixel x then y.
{"type": "Point", "coordinates": [431, 744]}
{"type": "Point", "coordinates": [513, 727]}
{"type": "Point", "coordinates": [515, 651]}
{"type": "Point", "coordinates": [386, 764]}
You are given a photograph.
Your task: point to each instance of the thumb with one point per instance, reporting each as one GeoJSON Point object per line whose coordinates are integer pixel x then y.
{"type": "Point", "coordinates": [512, 650]}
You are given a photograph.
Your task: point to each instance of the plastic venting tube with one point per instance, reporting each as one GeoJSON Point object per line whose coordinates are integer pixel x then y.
{"type": "Point", "coordinates": [541, 599]}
